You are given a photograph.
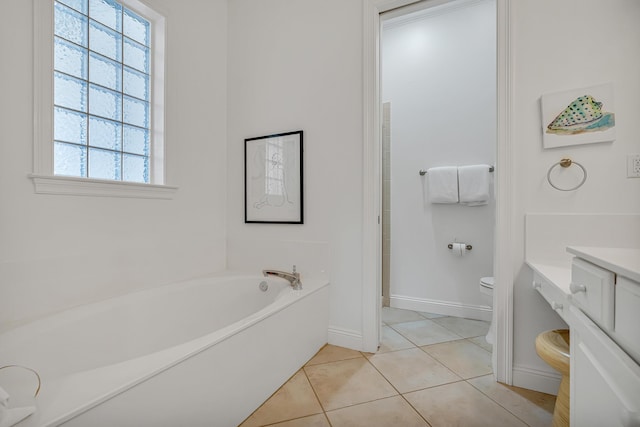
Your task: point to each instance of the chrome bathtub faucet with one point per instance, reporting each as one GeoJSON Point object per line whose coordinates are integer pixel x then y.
{"type": "Point", "coordinates": [293, 277]}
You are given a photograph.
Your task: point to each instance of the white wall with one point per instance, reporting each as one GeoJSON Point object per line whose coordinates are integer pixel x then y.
{"type": "Point", "coordinates": [439, 74]}
{"type": "Point", "coordinates": [549, 58]}
{"type": "Point", "coordinates": [60, 251]}
{"type": "Point", "coordinates": [291, 65]}
{"type": "Point", "coordinates": [297, 65]}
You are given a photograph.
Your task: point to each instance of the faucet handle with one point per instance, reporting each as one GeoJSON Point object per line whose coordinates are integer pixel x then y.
{"type": "Point", "coordinates": [294, 268]}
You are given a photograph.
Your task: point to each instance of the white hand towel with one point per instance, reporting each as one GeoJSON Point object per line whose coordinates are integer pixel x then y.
{"type": "Point", "coordinates": [474, 184]}
{"type": "Point", "coordinates": [443, 184]}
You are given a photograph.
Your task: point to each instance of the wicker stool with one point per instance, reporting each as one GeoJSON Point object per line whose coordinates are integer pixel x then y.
{"type": "Point", "coordinates": [553, 348]}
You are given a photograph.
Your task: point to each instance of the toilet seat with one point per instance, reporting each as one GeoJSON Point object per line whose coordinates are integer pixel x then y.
{"type": "Point", "coordinates": [486, 290]}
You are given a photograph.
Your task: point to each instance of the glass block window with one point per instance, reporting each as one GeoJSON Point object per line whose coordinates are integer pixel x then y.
{"type": "Point", "coordinates": [102, 91]}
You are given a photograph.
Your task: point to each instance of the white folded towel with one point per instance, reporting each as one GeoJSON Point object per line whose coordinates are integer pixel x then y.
{"type": "Point", "coordinates": [474, 183]}
{"type": "Point", "coordinates": [443, 184]}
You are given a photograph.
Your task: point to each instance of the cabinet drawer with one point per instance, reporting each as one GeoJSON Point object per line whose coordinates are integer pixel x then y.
{"type": "Point", "coordinates": [554, 296]}
{"type": "Point", "coordinates": [592, 289]}
{"type": "Point", "coordinates": [627, 316]}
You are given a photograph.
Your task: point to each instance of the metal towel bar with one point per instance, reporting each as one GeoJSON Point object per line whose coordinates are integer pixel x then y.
{"type": "Point", "coordinates": [423, 172]}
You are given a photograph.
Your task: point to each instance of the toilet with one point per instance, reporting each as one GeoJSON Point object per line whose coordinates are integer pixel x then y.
{"type": "Point", "coordinates": [486, 289]}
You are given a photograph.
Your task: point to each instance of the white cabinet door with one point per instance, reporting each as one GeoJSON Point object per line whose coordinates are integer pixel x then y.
{"type": "Point", "coordinates": [605, 381]}
{"type": "Point", "coordinates": [627, 317]}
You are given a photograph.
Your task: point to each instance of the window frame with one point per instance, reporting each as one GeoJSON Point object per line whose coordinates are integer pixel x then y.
{"type": "Point", "coordinates": [45, 182]}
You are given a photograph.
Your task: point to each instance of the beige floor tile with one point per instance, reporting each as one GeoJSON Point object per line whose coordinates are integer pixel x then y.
{"type": "Point", "coordinates": [367, 355]}
{"type": "Point", "coordinates": [459, 404]}
{"type": "Point", "coordinates": [462, 357]}
{"type": "Point", "coordinates": [393, 411]}
{"type": "Point", "coordinates": [397, 315]}
{"type": "Point", "coordinates": [466, 328]}
{"type": "Point", "coordinates": [412, 369]}
{"type": "Point", "coordinates": [430, 315]}
{"type": "Point", "coordinates": [347, 382]}
{"type": "Point", "coordinates": [392, 341]}
{"type": "Point", "coordinates": [294, 399]}
{"type": "Point", "coordinates": [332, 353]}
{"type": "Point", "coordinates": [319, 420]}
{"type": "Point", "coordinates": [425, 332]}
{"type": "Point", "coordinates": [482, 342]}
{"type": "Point", "coordinates": [532, 407]}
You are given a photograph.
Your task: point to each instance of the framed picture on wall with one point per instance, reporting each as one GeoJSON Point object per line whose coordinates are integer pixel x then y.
{"type": "Point", "coordinates": [273, 179]}
{"type": "Point", "coordinates": [578, 116]}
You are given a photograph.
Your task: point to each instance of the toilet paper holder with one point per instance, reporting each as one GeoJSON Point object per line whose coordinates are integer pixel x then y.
{"type": "Point", "coordinates": [467, 247]}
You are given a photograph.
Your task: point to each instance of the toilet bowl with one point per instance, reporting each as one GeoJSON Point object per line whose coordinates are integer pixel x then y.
{"type": "Point", "coordinates": [486, 289]}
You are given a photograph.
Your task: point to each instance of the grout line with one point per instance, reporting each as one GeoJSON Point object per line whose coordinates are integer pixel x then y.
{"type": "Point", "coordinates": [402, 395]}
{"type": "Point", "coordinates": [368, 401]}
{"type": "Point", "coordinates": [421, 319]}
{"type": "Point", "coordinates": [479, 376]}
{"type": "Point", "coordinates": [449, 329]}
{"type": "Point", "coordinates": [475, 343]}
{"type": "Point", "coordinates": [388, 397]}
{"type": "Point", "coordinates": [326, 417]}
{"type": "Point", "coordinates": [443, 342]}
{"type": "Point", "coordinates": [451, 369]}
{"type": "Point", "coordinates": [417, 412]}
{"type": "Point", "coordinates": [385, 378]}
{"type": "Point", "coordinates": [333, 361]}
{"type": "Point", "coordinates": [297, 418]}
{"type": "Point", "coordinates": [424, 388]}
{"type": "Point", "coordinates": [361, 354]}
{"type": "Point", "coordinates": [273, 394]}
{"type": "Point", "coordinates": [341, 360]}
{"type": "Point", "coordinates": [440, 316]}
{"type": "Point", "coordinates": [496, 402]}
{"type": "Point", "coordinates": [405, 337]}
{"type": "Point", "coordinates": [384, 398]}
{"type": "Point", "coordinates": [310, 384]}
{"type": "Point", "coordinates": [324, 411]}
{"type": "Point", "coordinates": [390, 351]}
{"type": "Point", "coordinates": [314, 391]}
{"type": "Point", "coordinates": [417, 345]}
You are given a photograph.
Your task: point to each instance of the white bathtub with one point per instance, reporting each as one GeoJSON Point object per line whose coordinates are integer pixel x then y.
{"type": "Point", "coordinates": [201, 353]}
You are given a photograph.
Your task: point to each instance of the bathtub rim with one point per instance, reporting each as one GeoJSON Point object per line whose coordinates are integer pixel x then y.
{"type": "Point", "coordinates": [12, 327]}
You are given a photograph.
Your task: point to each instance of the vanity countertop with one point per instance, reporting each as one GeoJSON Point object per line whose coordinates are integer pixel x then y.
{"type": "Point", "coordinates": [558, 276]}
{"type": "Point", "coordinates": [622, 261]}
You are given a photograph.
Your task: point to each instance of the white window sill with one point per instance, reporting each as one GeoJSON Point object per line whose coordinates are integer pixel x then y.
{"type": "Point", "coordinates": [66, 185]}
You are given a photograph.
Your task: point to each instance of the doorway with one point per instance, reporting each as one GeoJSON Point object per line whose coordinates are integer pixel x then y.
{"type": "Point", "coordinates": [438, 77]}
{"type": "Point", "coordinates": [503, 270]}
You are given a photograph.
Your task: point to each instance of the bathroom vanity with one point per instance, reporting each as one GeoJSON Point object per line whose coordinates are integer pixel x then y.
{"type": "Point", "coordinates": [598, 296]}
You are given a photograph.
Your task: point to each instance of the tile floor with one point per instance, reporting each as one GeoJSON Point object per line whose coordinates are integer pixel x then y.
{"type": "Point", "coordinates": [430, 370]}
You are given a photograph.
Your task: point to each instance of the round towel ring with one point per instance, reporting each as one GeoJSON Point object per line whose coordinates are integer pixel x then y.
{"type": "Point", "coordinates": [565, 163]}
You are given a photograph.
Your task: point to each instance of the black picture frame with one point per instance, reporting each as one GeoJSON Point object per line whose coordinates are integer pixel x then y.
{"type": "Point", "coordinates": [273, 179]}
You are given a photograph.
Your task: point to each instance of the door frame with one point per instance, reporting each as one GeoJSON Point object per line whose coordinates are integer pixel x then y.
{"type": "Point", "coordinates": [372, 185]}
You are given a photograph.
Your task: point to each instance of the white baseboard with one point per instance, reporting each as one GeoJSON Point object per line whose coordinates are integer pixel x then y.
{"type": "Point", "coordinates": [447, 308]}
{"type": "Point", "coordinates": [345, 338]}
{"type": "Point", "coordinates": [536, 379]}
